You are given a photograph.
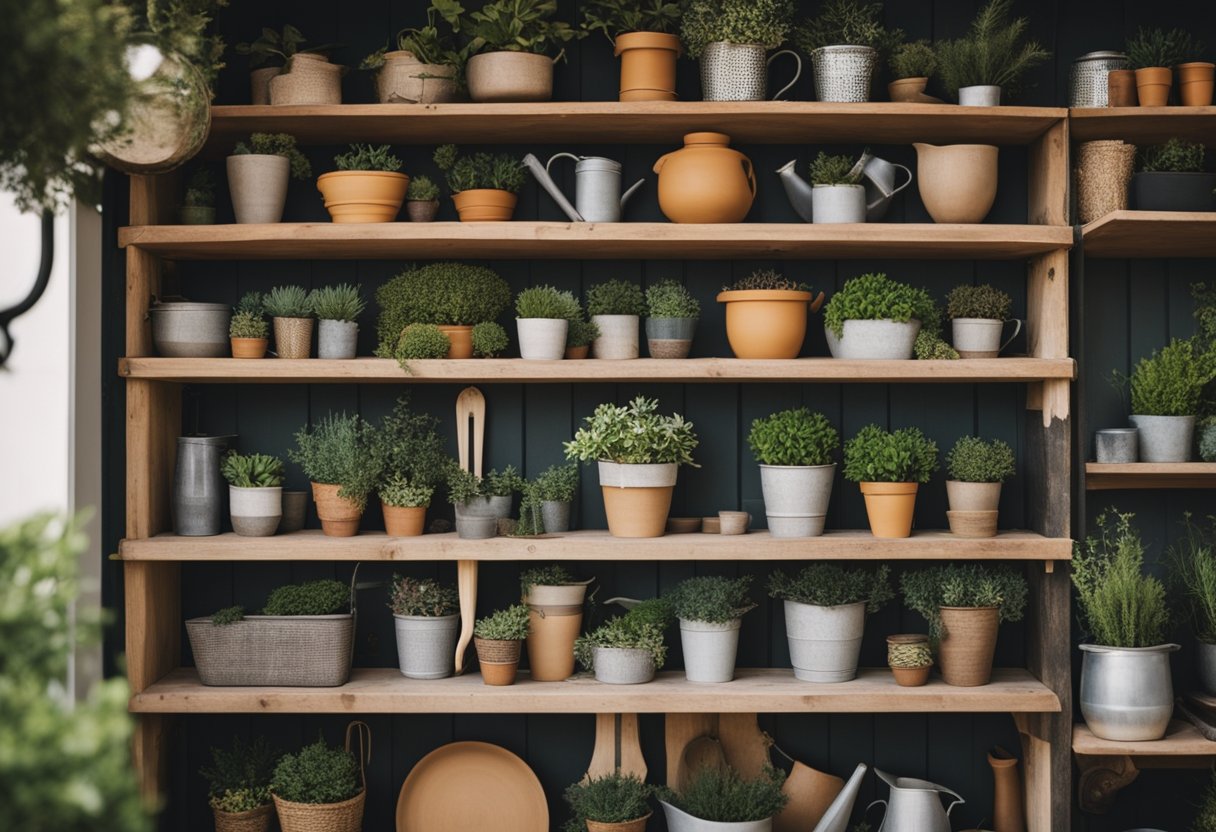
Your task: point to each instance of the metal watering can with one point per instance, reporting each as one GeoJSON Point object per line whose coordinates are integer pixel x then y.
{"type": "Point", "coordinates": [597, 187]}
{"type": "Point", "coordinates": [914, 805]}
{"type": "Point", "coordinates": [877, 175]}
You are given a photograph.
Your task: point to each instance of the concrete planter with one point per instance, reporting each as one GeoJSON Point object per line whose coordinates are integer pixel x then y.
{"type": "Point", "coordinates": [833, 204]}
{"type": "Point", "coordinates": [1165, 438]}
{"type": "Point", "coordinates": [337, 340]}
{"type": "Point", "coordinates": [670, 337]}
{"type": "Point", "coordinates": [542, 339]}
{"type": "Point", "coordinates": [255, 512]}
{"type": "Point", "coordinates": [680, 821]}
{"type": "Point", "coordinates": [618, 336]}
{"type": "Point", "coordinates": [709, 649]}
{"type": "Point", "coordinates": [1117, 445]}
{"type": "Point", "coordinates": [426, 645]}
{"type": "Point", "coordinates": [623, 665]}
{"type": "Point", "coordinates": [987, 95]}
{"type": "Point", "coordinates": [191, 330]}
{"type": "Point", "coordinates": [874, 340]}
{"type": "Point", "coordinates": [825, 642]}
{"type": "Point", "coordinates": [258, 184]}
{"type": "Point", "coordinates": [796, 498]}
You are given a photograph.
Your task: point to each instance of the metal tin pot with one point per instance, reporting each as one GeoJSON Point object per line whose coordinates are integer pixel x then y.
{"type": "Point", "coordinates": [1117, 445]}
{"type": "Point", "coordinates": [190, 330]}
{"type": "Point", "coordinates": [1088, 82]}
{"type": "Point", "coordinates": [843, 73]}
{"type": "Point", "coordinates": [198, 486]}
{"type": "Point", "coordinates": [1126, 692]}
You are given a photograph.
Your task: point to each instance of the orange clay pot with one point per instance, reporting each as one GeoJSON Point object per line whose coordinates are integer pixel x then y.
{"type": "Point", "coordinates": [578, 353]}
{"type": "Point", "coordinates": [484, 205]}
{"type": "Point", "coordinates": [404, 521]}
{"type": "Point", "coordinates": [1121, 88]}
{"type": "Point", "coordinates": [1195, 83]}
{"type": "Point", "coordinates": [363, 195]}
{"type": "Point", "coordinates": [461, 340]}
{"type": "Point", "coordinates": [339, 516]}
{"type": "Point", "coordinates": [889, 507]}
{"type": "Point", "coordinates": [1153, 86]}
{"type": "Point", "coordinates": [765, 323]}
{"type": "Point", "coordinates": [249, 347]}
{"type": "Point", "coordinates": [648, 65]}
{"type": "Point", "coordinates": [705, 181]}
{"type": "Point", "coordinates": [552, 631]}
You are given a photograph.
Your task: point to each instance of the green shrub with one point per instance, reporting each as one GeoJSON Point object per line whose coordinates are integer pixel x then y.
{"type": "Point", "coordinates": [613, 798]}
{"type": "Point", "coordinates": [615, 297]}
{"type": "Point", "coordinates": [422, 189]}
{"type": "Point", "coordinates": [765, 22]}
{"type": "Point", "coordinates": [766, 280]}
{"type": "Point", "coordinates": [915, 59]}
{"type": "Point", "coordinates": [366, 157]}
{"type": "Point", "coordinates": [289, 302]}
{"type": "Point", "coordinates": [974, 460]}
{"type": "Point", "coordinates": [641, 628]}
{"type": "Point", "coordinates": [501, 172]}
{"type": "Point", "coordinates": [277, 144]}
{"type": "Point", "coordinates": [238, 779]}
{"type": "Point", "coordinates": [581, 333]}
{"type": "Point", "coordinates": [502, 484]}
{"type": "Point", "coordinates": [399, 492]}
{"type": "Point", "coordinates": [794, 437]}
{"type": "Point", "coordinates": [509, 624]}
{"type": "Point", "coordinates": [317, 774]}
{"type": "Point", "coordinates": [829, 585]}
{"type": "Point", "coordinates": [546, 302]}
{"type": "Point", "coordinates": [875, 297]}
{"type": "Point", "coordinates": [422, 596]}
{"type": "Point", "coordinates": [447, 293]}
{"type": "Point", "coordinates": [338, 303]}
{"type": "Point", "coordinates": [993, 52]}
{"type": "Point", "coordinates": [252, 470]}
{"type": "Point", "coordinates": [1117, 603]}
{"type": "Point", "coordinates": [1158, 47]}
{"type": "Point", "coordinates": [1204, 295]}
{"type": "Point", "coordinates": [964, 585]}
{"type": "Point", "coordinates": [876, 455]}
{"type": "Point", "coordinates": [633, 433]}
{"type": "Point", "coordinates": [489, 339]}
{"type": "Point", "coordinates": [847, 23]}
{"type": "Point", "coordinates": [200, 191]}
{"type": "Point", "coordinates": [668, 299]}
{"type": "Point", "coordinates": [228, 615]}
{"type": "Point", "coordinates": [340, 450]}
{"type": "Point", "coordinates": [409, 447]}
{"type": "Point", "coordinates": [1171, 381]}
{"type": "Point", "coordinates": [722, 795]}
{"type": "Point", "coordinates": [514, 26]}
{"type": "Point", "coordinates": [557, 482]}
{"type": "Point", "coordinates": [248, 325]}
{"type": "Point", "coordinates": [984, 301]}
{"type": "Point", "coordinates": [711, 598]}
{"type": "Point", "coordinates": [1192, 571]}
{"type": "Point", "coordinates": [320, 597]}
{"type": "Point", "coordinates": [929, 346]}
{"type": "Point", "coordinates": [463, 486]}
{"type": "Point", "coordinates": [253, 303]}
{"type": "Point", "coordinates": [1175, 156]}
{"type": "Point", "coordinates": [834, 170]}
{"type": "Point", "coordinates": [1205, 818]}
{"type": "Point", "coordinates": [553, 574]}
{"type": "Point", "coordinates": [421, 341]}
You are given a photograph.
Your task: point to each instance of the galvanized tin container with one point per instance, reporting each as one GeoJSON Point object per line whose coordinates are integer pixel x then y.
{"type": "Point", "coordinates": [1087, 85]}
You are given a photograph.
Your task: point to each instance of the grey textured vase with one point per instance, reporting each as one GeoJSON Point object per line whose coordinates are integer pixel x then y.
{"type": "Point", "coordinates": [426, 645]}
{"type": "Point", "coordinates": [1165, 438]}
{"type": "Point", "coordinates": [198, 486]}
{"type": "Point", "coordinates": [555, 514]}
{"type": "Point", "coordinates": [1126, 692]}
{"type": "Point", "coordinates": [190, 330]}
{"type": "Point", "coordinates": [1117, 445]}
{"type": "Point", "coordinates": [623, 665]}
{"type": "Point", "coordinates": [670, 337]}
{"type": "Point", "coordinates": [337, 340]}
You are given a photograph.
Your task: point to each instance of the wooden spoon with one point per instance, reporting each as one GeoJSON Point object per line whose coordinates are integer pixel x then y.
{"type": "Point", "coordinates": [470, 436]}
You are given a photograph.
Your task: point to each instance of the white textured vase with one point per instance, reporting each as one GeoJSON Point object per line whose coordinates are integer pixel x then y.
{"type": "Point", "coordinates": [874, 340]}
{"type": "Point", "coordinates": [542, 339]}
{"type": "Point", "coordinates": [796, 498]}
{"type": "Point", "coordinates": [709, 649]}
{"type": "Point", "coordinates": [984, 95]}
{"type": "Point", "coordinates": [825, 642]}
{"type": "Point", "coordinates": [834, 204]}
{"type": "Point", "coordinates": [618, 336]}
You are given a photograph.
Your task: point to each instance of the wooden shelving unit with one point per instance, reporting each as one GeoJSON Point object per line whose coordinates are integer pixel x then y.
{"type": "Point", "coordinates": [1129, 234]}
{"type": "Point", "coordinates": [1105, 477]}
{"type": "Point", "coordinates": [1107, 766]}
{"type": "Point", "coordinates": [1142, 125]}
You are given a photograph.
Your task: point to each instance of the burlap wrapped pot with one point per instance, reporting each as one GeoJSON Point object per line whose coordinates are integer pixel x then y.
{"type": "Point", "coordinates": [1103, 171]}
{"type": "Point", "coordinates": [309, 79]}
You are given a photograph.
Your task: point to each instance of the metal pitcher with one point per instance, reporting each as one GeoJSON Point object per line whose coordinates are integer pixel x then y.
{"type": "Point", "coordinates": [914, 805]}
{"type": "Point", "coordinates": [878, 175]}
{"type": "Point", "coordinates": [198, 486]}
{"type": "Point", "coordinates": [597, 187]}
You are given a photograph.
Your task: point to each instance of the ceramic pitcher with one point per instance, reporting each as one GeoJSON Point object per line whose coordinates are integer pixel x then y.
{"type": "Point", "coordinates": [705, 181]}
{"type": "Point", "coordinates": [914, 805]}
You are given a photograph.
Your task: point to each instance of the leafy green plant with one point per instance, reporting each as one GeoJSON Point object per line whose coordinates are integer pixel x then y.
{"type": "Point", "coordinates": [502, 483]}
{"type": "Point", "coordinates": [1205, 817]}
{"type": "Point", "coordinates": [517, 26]}
{"type": "Point", "coordinates": [277, 49]}
{"type": "Point", "coordinates": [430, 44]}
{"type": "Point", "coordinates": [252, 470]}
{"type": "Point", "coordinates": [508, 624]}
{"type": "Point", "coordinates": [633, 434]}
{"type": "Point", "coordinates": [964, 585]}
{"type": "Point", "coordinates": [240, 776]}
{"type": "Point", "coordinates": [993, 52]}
{"type": "Point", "coordinates": [967, 301]}
{"type": "Point", "coordinates": [248, 319]}
{"type": "Point", "coordinates": [829, 585]}
{"type": "Point", "coordinates": [502, 172]}
{"type": "Point", "coordinates": [581, 333]}
{"type": "Point", "coordinates": [847, 23]}
{"type": "Point", "coordinates": [929, 346]}
{"type": "Point", "coordinates": [763, 22]}
{"type": "Point", "coordinates": [722, 795]}
{"type": "Point", "coordinates": [340, 450]}
{"type": "Point", "coordinates": [1160, 48]}
{"type": "Point", "coordinates": [317, 774]}
{"type": "Point", "coordinates": [338, 303]}
{"type": "Point", "coordinates": [613, 798]}
{"type": "Point", "coordinates": [617, 17]}
{"type": "Point", "coordinates": [875, 297]}
{"type": "Point", "coordinates": [320, 597]}
{"type": "Point", "coordinates": [289, 302]}
{"type": "Point", "coordinates": [876, 455]}
{"type": "Point", "coordinates": [228, 615]}
{"type": "Point", "coordinates": [553, 574]}
{"type": "Point", "coordinates": [974, 460]}
{"type": "Point", "coordinates": [200, 190]}
{"type": "Point", "coordinates": [766, 280]}
{"type": "Point", "coordinates": [409, 446]}
{"type": "Point", "coordinates": [914, 59]}
{"type": "Point", "coordinates": [1170, 382]}
{"type": "Point", "coordinates": [399, 492]}
{"type": "Point", "coordinates": [464, 486]}
{"type": "Point", "coordinates": [422, 597]}
{"type": "Point", "coordinates": [277, 144]}
{"type": "Point", "coordinates": [557, 483]}
{"type": "Point", "coordinates": [711, 598]}
{"type": "Point", "coordinates": [669, 299]}
{"type": "Point", "coordinates": [641, 628]}
{"type": "Point", "coordinates": [489, 339]}
{"type": "Point", "coordinates": [834, 170]}
{"type": "Point", "coordinates": [1117, 604]}
{"type": "Point", "coordinates": [615, 297]}
{"type": "Point", "coordinates": [422, 189]}
{"type": "Point", "coordinates": [421, 341]}
{"type": "Point", "coordinates": [366, 157]}
{"type": "Point", "coordinates": [1192, 574]}
{"type": "Point", "coordinates": [1175, 156]}
{"type": "Point", "coordinates": [546, 302]}
{"type": "Point", "coordinates": [793, 437]}
{"type": "Point", "coordinates": [916, 654]}
{"type": "Point", "coordinates": [445, 293]}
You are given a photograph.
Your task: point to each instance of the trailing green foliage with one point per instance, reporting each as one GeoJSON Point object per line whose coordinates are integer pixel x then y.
{"type": "Point", "coordinates": [914, 59]}
{"type": "Point", "coordinates": [711, 598]}
{"type": "Point", "coordinates": [200, 190]}
{"type": "Point", "coordinates": [420, 341]}
{"type": "Point", "coordinates": [974, 460]}
{"type": "Point", "coordinates": [289, 302]}
{"type": "Point", "coordinates": [1192, 571]}
{"type": "Point", "coordinates": [766, 280]}
{"type": "Point", "coordinates": [228, 615]}
{"type": "Point", "coordinates": [1170, 382]}
{"type": "Point", "coordinates": [553, 574]}
{"type": "Point", "coordinates": [1161, 48]}
{"type": "Point", "coordinates": [252, 470]}
{"type": "Point", "coordinates": [276, 49]}
{"type": "Point", "coordinates": [557, 482]}
{"type": "Point", "coordinates": [829, 585]}
{"type": "Point", "coordinates": [834, 170]}
{"type": "Point", "coordinates": [1117, 604]}
{"type": "Point", "coordinates": [240, 776]}
{"type": "Point", "coordinates": [929, 589]}
{"type": "Point", "coordinates": [501, 172]}
{"type": "Point", "coordinates": [617, 17]}
{"type": "Point", "coordinates": [422, 596]}
{"type": "Point", "coordinates": [876, 455]}
{"type": "Point", "coordinates": [399, 492]}
{"type": "Point", "coordinates": [967, 301]}
{"type": "Point", "coordinates": [317, 774]}
{"type": "Point", "coordinates": [918, 654]}
{"type": "Point", "coordinates": [1175, 156]}
{"type": "Point", "coordinates": [546, 302]}
{"type": "Point", "coordinates": [340, 450]}
{"type": "Point", "coordinates": [445, 293]}
{"type": "Point", "coordinates": [338, 303]}
{"type": "Point", "coordinates": [581, 333]}
{"type": "Point", "coordinates": [615, 297]}
{"type": "Point", "coordinates": [794, 437]}
{"type": "Point", "coordinates": [613, 798]}
{"type": "Point", "coordinates": [722, 795]}
{"type": "Point", "coordinates": [641, 628]}
{"type": "Point", "coordinates": [367, 157]}
{"type": "Point", "coordinates": [993, 52]}
{"type": "Point", "coordinates": [508, 624]}
{"type": "Point", "coordinates": [633, 434]}
{"type": "Point", "coordinates": [409, 447]}
{"type": "Point", "coordinates": [320, 597]}
{"type": "Point", "coordinates": [516, 26]}
{"type": "Point", "coordinates": [277, 144]}
{"type": "Point", "coordinates": [847, 23]}
{"type": "Point", "coordinates": [422, 189]}
{"type": "Point", "coordinates": [875, 297]}
{"type": "Point", "coordinates": [929, 346]}
{"type": "Point", "coordinates": [763, 22]}
{"type": "Point", "coordinates": [489, 339]}
{"type": "Point", "coordinates": [669, 299]}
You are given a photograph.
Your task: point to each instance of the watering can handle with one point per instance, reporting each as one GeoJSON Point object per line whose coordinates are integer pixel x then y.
{"type": "Point", "coordinates": [1017, 328]}
{"type": "Point", "coordinates": [957, 799]}
{"type": "Point", "coordinates": [906, 184]}
{"type": "Point", "coordinates": [797, 71]}
{"type": "Point", "coordinates": [557, 156]}
{"type": "Point", "coordinates": [885, 806]}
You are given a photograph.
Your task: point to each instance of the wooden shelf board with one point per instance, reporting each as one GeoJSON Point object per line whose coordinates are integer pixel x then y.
{"type": "Point", "coordinates": [764, 690]}
{"type": "Point", "coordinates": [1123, 234]}
{"type": "Point", "coordinates": [1142, 125]}
{"type": "Point", "coordinates": [1182, 739]}
{"type": "Point", "coordinates": [490, 370]}
{"type": "Point", "coordinates": [768, 122]}
{"type": "Point", "coordinates": [1105, 476]}
{"type": "Point", "coordinates": [596, 545]}
{"type": "Point", "coordinates": [615, 241]}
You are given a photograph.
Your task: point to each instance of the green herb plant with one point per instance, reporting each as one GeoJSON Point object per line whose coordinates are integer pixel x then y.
{"type": "Point", "coordinates": [834, 170]}
{"type": "Point", "coordinates": [581, 333]}
{"type": "Point", "coordinates": [964, 585]}
{"type": "Point", "coordinates": [320, 597]}
{"type": "Point", "coordinates": [722, 795]}
{"type": "Point", "coordinates": [507, 624]}
{"type": "Point", "coordinates": [1117, 604]}
{"type": "Point", "coordinates": [829, 585]}
{"type": "Point", "coordinates": [633, 434]}
{"type": "Point", "coordinates": [340, 450]}
{"type": "Point", "coordinates": [489, 339]}
{"type": "Point", "coordinates": [967, 301]}
{"type": "Point", "coordinates": [338, 303]}
{"type": "Point", "coordinates": [422, 597]}
{"type": "Point", "coordinates": [763, 22]}
{"type": "Point", "coordinates": [430, 44]}
{"type": "Point", "coordinates": [1192, 577]}
{"type": "Point", "coordinates": [612, 798]}
{"type": "Point", "coordinates": [464, 486]}
{"type": "Point", "coordinates": [367, 157]}
{"type": "Point", "coordinates": [975, 460]}
{"type": "Point", "coordinates": [847, 23]}
{"type": "Point", "coordinates": [765, 280]}
{"type": "Point", "coordinates": [875, 297]}
{"type": "Point", "coordinates": [994, 51]}
{"type": "Point", "coordinates": [557, 483]}
{"type": "Point", "coordinates": [502, 172]}
{"type": "Point", "coordinates": [669, 299]}
{"type": "Point", "coordinates": [618, 17]}
{"type": "Point", "coordinates": [615, 297]}
{"type": "Point", "coordinates": [553, 574]}
{"type": "Point", "coordinates": [641, 628]}
{"type": "Point", "coordinates": [399, 492]}
{"type": "Point", "coordinates": [1150, 48]}
{"type": "Point", "coordinates": [249, 317]}
{"type": "Point", "coordinates": [289, 302]}
{"type": "Point", "coordinates": [422, 189]}
{"type": "Point", "coordinates": [711, 598]}
{"type": "Point", "coordinates": [317, 774]}
{"type": "Point", "coordinates": [914, 59]}
{"type": "Point", "coordinates": [1175, 156]}
{"type": "Point", "coordinates": [1171, 381]}
{"type": "Point", "coordinates": [410, 448]}
{"type": "Point", "coordinates": [903, 455]}
{"type": "Point", "coordinates": [793, 437]}
{"type": "Point", "coordinates": [444, 293]}
{"type": "Point", "coordinates": [238, 779]}
{"type": "Point", "coordinates": [277, 144]}
{"type": "Point", "coordinates": [546, 302]}
{"type": "Point", "coordinates": [252, 470]}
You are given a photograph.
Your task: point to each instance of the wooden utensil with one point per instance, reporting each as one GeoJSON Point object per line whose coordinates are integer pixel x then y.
{"type": "Point", "coordinates": [744, 747]}
{"type": "Point", "coordinates": [617, 747]}
{"type": "Point", "coordinates": [702, 753]}
{"type": "Point", "coordinates": [470, 436]}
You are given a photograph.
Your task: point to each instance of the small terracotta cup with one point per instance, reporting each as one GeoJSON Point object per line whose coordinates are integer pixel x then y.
{"type": "Point", "coordinates": [733, 522]}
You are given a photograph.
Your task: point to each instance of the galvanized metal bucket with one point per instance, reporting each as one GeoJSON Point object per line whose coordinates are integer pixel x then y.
{"type": "Point", "coordinates": [1088, 81]}
{"type": "Point", "coordinates": [843, 73]}
{"type": "Point", "coordinates": [1126, 692]}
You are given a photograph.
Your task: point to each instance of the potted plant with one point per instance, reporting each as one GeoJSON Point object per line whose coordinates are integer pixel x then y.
{"type": "Point", "coordinates": [766, 315]}
{"type": "Point", "coordinates": [238, 785]}
{"type": "Point", "coordinates": [1153, 54]}
{"type": "Point", "coordinates": [616, 802]}
{"type": "Point", "coordinates": [976, 468]}
{"type": "Point", "coordinates": [270, 53]}
{"type": "Point", "coordinates": [1166, 394]}
{"type": "Point", "coordinates": [912, 64]}
{"type": "Point", "coordinates": [671, 320]}
{"type": "Point", "coordinates": [1195, 82]}
{"type": "Point", "coordinates": [910, 659]}
{"type": "Point", "coordinates": [580, 335]}
{"type": "Point", "coordinates": [710, 609]}
{"type": "Point", "coordinates": [638, 453]}
{"type": "Point", "coordinates": [199, 205]}
{"type": "Point", "coordinates": [404, 504]}
{"type": "Point", "coordinates": [1192, 578]}
{"type": "Point", "coordinates": [422, 199]}
{"type": "Point", "coordinates": [489, 340]}
{"type": "Point", "coordinates": [978, 315]}
{"type": "Point", "coordinates": [616, 307]}
{"type": "Point", "coordinates": [643, 37]}
{"type": "Point", "coordinates": [992, 56]}
{"type": "Point", "coordinates": [481, 503]}
{"type": "Point", "coordinates": [731, 39]}
{"type": "Point", "coordinates": [427, 66]}
{"type": "Point", "coordinates": [319, 788]}
{"type": "Point", "coordinates": [555, 616]}
{"type": "Point", "coordinates": [836, 193]}
{"type": "Point", "coordinates": [555, 488]}
{"type": "Point", "coordinates": [483, 186]}
{"type": "Point", "coordinates": [874, 317]}
{"type": "Point", "coordinates": [366, 187]}
{"type": "Point", "coordinates": [248, 332]}
{"type": "Point", "coordinates": [889, 467]}
{"type": "Point", "coordinates": [1126, 691]}
{"type": "Point", "coordinates": [421, 341]}
{"type": "Point", "coordinates": [338, 456]}
{"type": "Point", "coordinates": [542, 320]}
{"type": "Point", "coordinates": [255, 493]}
{"type": "Point", "coordinates": [427, 621]}
{"type": "Point", "coordinates": [718, 799]}
{"type": "Point", "coordinates": [454, 296]}
{"type": "Point", "coordinates": [965, 605]}
{"type": "Point", "coordinates": [257, 176]}
{"type": "Point", "coordinates": [825, 616]}
{"type": "Point", "coordinates": [628, 649]}
{"type": "Point", "coordinates": [338, 309]}
{"type": "Point", "coordinates": [512, 40]}
{"type": "Point", "coordinates": [291, 309]}
{"type": "Point", "coordinates": [845, 40]}
{"type": "Point", "coordinates": [796, 450]}
{"type": "Point", "coordinates": [498, 638]}
{"type": "Point", "coordinates": [410, 453]}
{"type": "Point", "coordinates": [1172, 178]}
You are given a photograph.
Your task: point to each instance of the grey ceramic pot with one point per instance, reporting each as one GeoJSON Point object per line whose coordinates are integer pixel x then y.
{"type": "Point", "coordinates": [1165, 438]}
{"type": "Point", "coordinates": [555, 514]}
{"type": "Point", "coordinates": [1117, 445]}
{"type": "Point", "coordinates": [337, 340]}
{"type": "Point", "coordinates": [426, 645]}
{"type": "Point", "coordinates": [623, 665]}
{"type": "Point", "coordinates": [191, 330]}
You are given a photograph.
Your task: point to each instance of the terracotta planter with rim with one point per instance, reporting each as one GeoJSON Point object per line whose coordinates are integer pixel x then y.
{"type": "Point", "coordinates": [637, 498]}
{"type": "Point", "coordinates": [499, 659]}
{"type": "Point", "coordinates": [890, 507]}
{"type": "Point", "coordinates": [648, 65]}
{"type": "Point", "coordinates": [1153, 86]}
{"type": "Point", "coordinates": [911, 677]}
{"type": "Point", "coordinates": [255, 820]}
{"type": "Point", "coordinates": [968, 645]}
{"type": "Point", "coordinates": [1195, 83]}
{"type": "Point", "coordinates": [765, 323]}
{"type": "Point", "coordinates": [339, 515]}
{"type": "Point", "coordinates": [635, 825]}
{"type": "Point", "coordinates": [509, 77]}
{"type": "Point", "coordinates": [461, 339]}
{"type": "Point", "coordinates": [249, 347]}
{"type": "Point", "coordinates": [404, 521]}
{"type": "Point", "coordinates": [485, 205]}
{"type": "Point", "coordinates": [1121, 88]}
{"type": "Point", "coordinates": [363, 195]}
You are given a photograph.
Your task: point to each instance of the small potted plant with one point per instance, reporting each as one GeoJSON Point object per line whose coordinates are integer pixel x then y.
{"type": "Point", "coordinates": [616, 802]}
{"type": "Point", "coordinates": [836, 193]}
{"type": "Point", "coordinates": [421, 341]}
{"type": "Point", "coordinates": [453, 296]}
{"type": "Point", "coordinates": [238, 786]}
{"type": "Point", "coordinates": [710, 609]}
{"type": "Point", "coordinates": [912, 64]}
{"type": "Point", "coordinates": [875, 317]}
{"type": "Point", "coordinates": [338, 309]}
{"type": "Point", "coordinates": [404, 504]}
{"type": "Point", "coordinates": [975, 470]}
{"type": "Point", "coordinates": [639, 454]}
{"type": "Point", "coordinates": [580, 335]}
{"type": "Point", "coordinates": [671, 320]}
{"type": "Point", "coordinates": [992, 56]}
{"type": "Point", "coordinates": [542, 320]}
{"type": "Point", "coordinates": [291, 309]}
{"type": "Point", "coordinates": [514, 39]}
{"type": "Point", "coordinates": [910, 659]}
{"type": "Point", "coordinates": [427, 621]}
{"type": "Point", "coordinates": [628, 649]}
{"type": "Point", "coordinates": [718, 799]}
{"type": "Point", "coordinates": [1166, 394]}
{"type": "Point", "coordinates": [845, 40]}
{"type": "Point", "coordinates": [766, 315]}
{"type": "Point", "coordinates": [410, 453]}
{"type": "Point", "coordinates": [731, 39]}
{"type": "Point", "coordinates": [427, 66]}
{"type": "Point", "coordinates": [481, 503]}
{"type": "Point", "coordinates": [1192, 577]}
{"type": "Point", "coordinates": [270, 53]}
{"type": "Point", "coordinates": [483, 186]}
{"type": "Point", "coordinates": [199, 205]}
{"type": "Point", "coordinates": [489, 340]}
{"type": "Point", "coordinates": [498, 639]}
{"type": "Point", "coordinates": [366, 187]}
{"type": "Point", "coordinates": [1126, 691]}
{"type": "Point", "coordinates": [1195, 81]}
{"type": "Point", "coordinates": [255, 493]}
{"type": "Point", "coordinates": [825, 616]}
{"type": "Point", "coordinates": [258, 172]}
{"type": "Point", "coordinates": [1172, 178]}
{"type": "Point", "coordinates": [643, 37]}
{"type": "Point", "coordinates": [555, 615]}
{"type": "Point", "coordinates": [1153, 54]}
{"type": "Point", "coordinates": [555, 489]}
{"type": "Point", "coordinates": [965, 604]}
{"type": "Point", "coordinates": [616, 307]}
{"type": "Point", "coordinates": [338, 455]}
{"type": "Point", "coordinates": [796, 450]}
{"type": "Point", "coordinates": [978, 315]}
{"type": "Point", "coordinates": [889, 467]}
{"type": "Point", "coordinates": [248, 332]}
{"type": "Point", "coordinates": [422, 199]}
{"type": "Point", "coordinates": [319, 788]}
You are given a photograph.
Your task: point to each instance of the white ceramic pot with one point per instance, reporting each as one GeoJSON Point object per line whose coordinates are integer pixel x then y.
{"type": "Point", "coordinates": [977, 337]}
{"type": "Point", "coordinates": [623, 665]}
{"type": "Point", "coordinates": [680, 821]}
{"type": "Point", "coordinates": [1165, 438]}
{"type": "Point", "coordinates": [503, 77]}
{"type": "Point", "coordinates": [874, 340]}
{"type": "Point", "coordinates": [796, 498]}
{"type": "Point", "coordinates": [825, 642]}
{"type": "Point", "coordinates": [709, 649]}
{"type": "Point", "coordinates": [973, 496]}
{"type": "Point", "coordinates": [618, 336]}
{"type": "Point", "coordinates": [258, 184]}
{"type": "Point", "coordinates": [255, 512]}
{"type": "Point", "coordinates": [838, 204]}
{"type": "Point", "coordinates": [426, 645]}
{"type": "Point", "coordinates": [542, 339]}
{"type": "Point", "coordinates": [980, 96]}
{"type": "Point", "coordinates": [337, 340]}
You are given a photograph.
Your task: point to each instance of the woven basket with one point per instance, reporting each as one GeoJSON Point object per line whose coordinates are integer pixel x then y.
{"type": "Point", "coordinates": [497, 651]}
{"type": "Point", "coordinates": [311, 79]}
{"type": "Point", "coordinates": [310, 651]}
{"type": "Point", "coordinates": [293, 337]}
{"type": "Point", "coordinates": [346, 816]}
{"type": "Point", "coordinates": [1103, 171]}
{"type": "Point", "coordinates": [255, 820]}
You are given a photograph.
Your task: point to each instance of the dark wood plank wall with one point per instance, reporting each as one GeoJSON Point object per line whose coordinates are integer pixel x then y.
{"type": "Point", "coordinates": [1130, 308]}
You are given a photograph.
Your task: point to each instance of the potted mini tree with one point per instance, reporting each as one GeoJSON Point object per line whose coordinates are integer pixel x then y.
{"type": "Point", "coordinates": [1192, 573]}
{"type": "Point", "coordinates": [498, 638]}
{"type": "Point", "coordinates": [1126, 691]}
{"type": "Point", "coordinates": [338, 309]}
{"type": "Point", "coordinates": [976, 468]}
{"type": "Point", "coordinates": [555, 616]}
{"type": "Point", "coordinates": [718, 799]}
{"type": "Point", "coordinates": [248, 332]}
{"type": "Point", "coordinates": [912, 64]}
{"type": "Point", "coordinates": [825, 616]}
{"type": "Point", "coordinates": [710, 609]}
{"type": "Point", "coordinates": [543, 319]}
{"type": "Point", "coordinates": [616, 307]}
{"type": "Point", "coordinates": [910, 658]}
{"type": "Point", "coordinates": [874, 317]}
{"type": "Point", "coordinates": [671, 320]}
{"type": "Point", "coordinates": [320, 788]}
{"type": "Point", "coordinates": [366, 187]}
{"type": "Point", "coordinates": [978, 315]}
{"type": "Point", "coordinates": [796, 450]}
{"type": "Point", "coordinates": [427, 621]}
{"type": "Point", "coordinates": [889, 467]}
{"type": "Point", "coordinates": [731, 39]}
{"type": "Point", "coordinates": [199, 205]}
{"type": "Point", "coordinates": [483, 186]}
{"type": "Point", "coordinates": [965, 605]}
{"type": "Point", "coordinates": [1153, 54]}
{"type": "Point", "coordinates": [422, 199]}
{"type": "Point", "coordinates": [453, 296]}
{"type": "Point", "coordinates": [639, 454]}
{"type": "Point", "coordinates": [427, 66]}
{"type": "Point", "coordinates": [270, 54]}
{"type": "Point", "coordinates": [555, 489]}
{"type": "Point", "coordinates": [255, 493]}
{"type": "Point", "coordinates": [846, 41]}
{"type": "Point", "coordinates": [258, 171]}
{"type": "Point", "coordinates": [628, 649]}
{"type": "Point", "coordinates": [616, 802]}
{"type": "Point", "coordinates": [238, 785]}
{"type": "Point", "coordinates": [513, 40]}
{"type": "Point", "coordinates": [1172, 178]}
{"type": "Point", "coordinates": [338, 455]}
{"type": "Point", "coordinates": [643, 37]}
{"type": "Point", "coordinates": [291, 310]}
{"type": "Point", "coordinates": [836, 193]}
{"type": "Point", "coordinates": [766, 315]}
{"type": "Point", "coordinates": [409, 450]}
{"type": "Point", "coordinates": [1166, 394]}
{"type": "Point", "coordinates": [992, 56]}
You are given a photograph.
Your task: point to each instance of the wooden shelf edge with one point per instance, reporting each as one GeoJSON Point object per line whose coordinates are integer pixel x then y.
{"type": "Point", "coordinates": [1182, 739]}
{"type": "Point", "coordinates": [1141, 125]}
{"type": "Point", "coordinates": [1160, 234]}
{"type": "Point", "coordinates": [1146, 475]}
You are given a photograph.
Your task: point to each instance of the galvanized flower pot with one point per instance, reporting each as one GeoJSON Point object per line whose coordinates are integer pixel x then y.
{"type": "Point", "coordinates": [825, 642]}
{"type": "Point", "coordinates": [739, 72]}
{"type": "Point", "coordinates": [709, 649]}
{"type": "Point", "coordinates": [426, 645]}
{"type": "Point", "coordinates": [1126, 692]}
{"type": "Point", "coordinates": [843, 73]}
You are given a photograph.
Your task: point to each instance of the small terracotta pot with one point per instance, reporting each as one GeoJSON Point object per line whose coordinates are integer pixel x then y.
{"type": "Point", "coordinates": [339, 516]}
{"type": "Point", "coordinates": [966, 650]}
{"type": "Point", "coordinates": [259, 83]}
{"type": "Point", "coordinates": [648, 65]}
{"type": "Point", "coordinates": [911, 677]}
{"type": "Point", "coordinates": [249, 347]}
{"type": "Point", "coordinates": [552, 631]}
{"type": "Point", "coordinates": [636, 825]}
{"type": "Point", "coordinates": [890, 507]}
{"type": "Point", "coordinates": [255, 820]}
{"type": "Point", "coordinates": [1121, 88]}
{"type": "Point", "coordinates": [1195, 83]}
{"type": "Point", "coordinates": [363, 195]}
{"type": "Point", "coordinates": [461, 340]}
{"type": "Point", "coordinates": [765, 323]}
{"type": "Point", "coordinates": [499, 674]}
{"type": "Point", "coordinates": [578, 353]}
{"type": "Point", "coordinates": [907, 90]}
{"type": "Point", "coordinates": [499, 659]}
{"type": "Point", "coordinates": [293, 337]}
{"type": "Point", "coordinates": [404, 521]}
{"type": "Point", "coordinates": [421, 210]}
{"type": "Point", "coordinates": [485, 205]}
{"type": "Point", "coordinates": [1153, 86]}
{"type": "Point", "coordinates": [508, 77]}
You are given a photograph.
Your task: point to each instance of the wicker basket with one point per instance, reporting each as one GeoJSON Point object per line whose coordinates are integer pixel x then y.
{"type": "Point", "coordinates": [497, 651]}
{"type": "Point", "coordinates": [346, 816]}
{"type": "Point", "coordinates": [310, 651]}
{"type": "Point", "coordinates": [293, 337]}
{"type": "Point", "coordinates": [255, 820]}
{"type": "Point", "coordinates": [1103, 171]}
{"type": "Point", "coordinates": [311, 79]}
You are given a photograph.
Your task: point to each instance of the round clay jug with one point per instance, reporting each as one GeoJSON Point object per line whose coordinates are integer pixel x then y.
{"type": "Point", "coordinates": [705, 181]}
{"type": "Point", "coordinates": [957, 181]}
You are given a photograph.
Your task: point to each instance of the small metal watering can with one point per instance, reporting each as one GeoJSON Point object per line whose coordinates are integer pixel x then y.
{"type": "Point", "coordinates": [597, 187]}
{"type": "Point", "coordinates": [877, 175]}
{"type": "Point", "coordinates": [914, 805]}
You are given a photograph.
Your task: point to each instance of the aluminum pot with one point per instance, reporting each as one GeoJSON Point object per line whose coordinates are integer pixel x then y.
{"type": "Point", "coordinates": [198, 486]}
{"type": "Point", "coordinates": [1088, 82]}
{"type": "Point", "coordinates": [1126, 692]}
{"type": "Point", "coordinates": [1117, 445]}
{"type": "Point", "coordinates": [190, 330]}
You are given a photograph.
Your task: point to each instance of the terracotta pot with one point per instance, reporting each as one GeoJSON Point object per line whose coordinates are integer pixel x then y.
{"type": "Point", "coordinates": [637, 498]}
{"type": "Point", "coordinates": [911, 677]}
{"type": "Point", "coordinates": [339, 516]}
{"type": "Point", "coordinates": [404, 521]}
{"type": "Point", "coordinates": [1195, 84]}
{"type": "Point", "coordinates": [249, 347]}
{"type": "Point", "coordinates": [363, 195]}
{"type": "Point", "coordinates": [255, 820]}
{"type": "Point", "coordinates": [259, 83]}
{"type": "Point", "coordinates": [973, 523]}
{"type": "Point", "coordinates": [578, 353]}
{"type": "Point", "coordinates": [636, 825]}
{"type": "Point", "coordinates": [705, 181]}
{"type": "Point", "coordinates": [485, 205]}
{"type": "Point", "coordinates": [310, 79]}
{"type": "Point", "coordinates": [765, 323]}
{"type": "Point", "coordinates": [293, 337]}
{"type": "Point", "coordinates": [552, 630]}
{"type": "Point", "coordinates": [966, 649]}
{"type": "Point", "coordinates": [498, 659]}
{"type": "Point", "coordinates": [1008, 809]}
{"type": "Point", "coordinates": [503, 77]}
{"type": "Point", "coordinates": [889, 507]}
{"type": "Point", "coordinates": [1121, 88]}
{"type": "Point", "coordinates": [958, 181]}
{"type": "Point", "coordinates": [907, 90]}
{"type": "Point", "coordinates": [461, 340]}
{"type": "Point", "coordinates": [421, 210]}
{"type": "Point", "coordinates": [648, 65]}
{"type": "Point", "coordinates": [405, 80]}
{"type": "Point", "coordinates": [1153, 86]}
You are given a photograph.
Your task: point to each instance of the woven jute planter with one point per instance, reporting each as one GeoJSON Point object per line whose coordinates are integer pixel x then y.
{"type": "Point", "coordinates": [293, 337]}
{"type": "Point", "coordinates": [346, 816]}
{"type": "Point", "coordinates": [284, 650]}
{"type": "Point", "coordinates": [1103, 171]}
{"type": "Point", "coordinates": [499, 659]}
{"type": "Point", "coordinates": [968, 645]}
{"type": "Point", "coordinates": [310, 79]}
{"type": "Point", "coordinates": [255, 820]}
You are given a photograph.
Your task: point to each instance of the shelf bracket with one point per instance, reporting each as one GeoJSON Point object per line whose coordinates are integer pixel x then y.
{"type": "Point", "coordinates": [1101, 779]}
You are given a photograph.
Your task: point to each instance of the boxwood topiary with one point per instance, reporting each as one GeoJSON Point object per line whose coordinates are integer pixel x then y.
{"type": "Point", "coordinates": [793, 437]}
{"type": "Point", "coordinates": [421, 341]}
{"type": "Point", "coordinates": [875, 297]}
{"type": "Point", "coordinates": [983, 301]}
{"type": "Point", "coordinates": [323, 597]}
{"type": "Point", "coordinates": [876, 455]}
{"type": "Point", "coordinates": [668, 299]}
{"type": "Point", "coordinates": [615, 297]}
{"type": "Point", "coordinates": [317, 774]}
{"type": "Point", "coordinates": [581, 333]}
{"type": "Point", "coordinates": [489, 339]}
{"type": "Point", "coordinates": [711, 598]}
{"type": "Point", "coordinates": [829, 585]}
{"type": "Point", "coordinates": [447, 293]}
{"type": "Point", "coordinates": [509, 624]}
{"type": "Point", "coordinates": [974, 460]}
{"type": "Point", "coordinates": [963, 585]}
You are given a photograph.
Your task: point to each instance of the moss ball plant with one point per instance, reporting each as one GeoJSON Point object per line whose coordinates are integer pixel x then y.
{"type": "Point", "coordinates": [489, 339]}
{"type": "Point", "coordinates": [419, 342]}
{"type": "Point", "coordinates": [445, 293]}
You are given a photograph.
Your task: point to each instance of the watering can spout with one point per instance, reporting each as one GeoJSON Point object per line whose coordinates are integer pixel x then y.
{"type": "Point", "coordinates": [836, 818]}
{"type": "Point", "coordinates": [633, 189]}
{"type": "Point", "coordinates": [797, 190]}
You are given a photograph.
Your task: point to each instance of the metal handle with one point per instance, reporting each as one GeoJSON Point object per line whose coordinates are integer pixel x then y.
{"type": "Point", "coordinates": [906, 184]}
{"type": "Point", "coordinates": [797, 71]}
{"type": "Point", "coordinates": [958, 799]}
{"type": "Point", "coordinates": [1016, 330]}
{"type": "Point", "coordinates": [885, 807]}
{"type": "Point", "coordinates": [557, 156]}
